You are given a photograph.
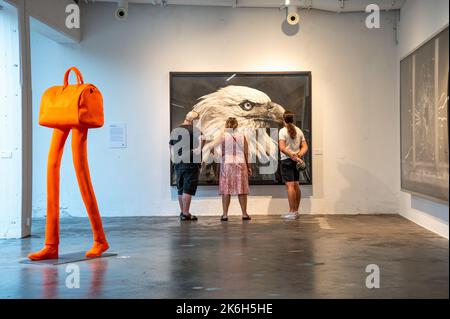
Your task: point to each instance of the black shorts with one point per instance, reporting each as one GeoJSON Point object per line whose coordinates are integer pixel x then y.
{"type": "Point", "coordinates": [187, 179]}
{"type": "Point", "coordinates": [289, 171]}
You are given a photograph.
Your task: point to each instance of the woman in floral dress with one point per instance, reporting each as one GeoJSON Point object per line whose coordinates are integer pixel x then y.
{"type": "Point", "coordinates": [234, 168]}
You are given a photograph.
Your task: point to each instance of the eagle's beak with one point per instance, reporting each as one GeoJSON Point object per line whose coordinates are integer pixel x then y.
{"type": "Point", "coordinates": [276, 111]}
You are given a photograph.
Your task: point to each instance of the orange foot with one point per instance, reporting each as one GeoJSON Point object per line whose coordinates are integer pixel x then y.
{"type": "Point", "coordinates": [97, 249]}
{"type": "Point", "coordinates": [48, 252]}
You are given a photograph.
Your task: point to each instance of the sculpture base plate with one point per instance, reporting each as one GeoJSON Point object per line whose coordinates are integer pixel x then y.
{"type": "Point", "coordinates": [66, 259]}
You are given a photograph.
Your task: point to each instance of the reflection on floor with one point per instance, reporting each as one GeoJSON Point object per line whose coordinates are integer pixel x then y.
{"type": "Point", "coordinates": [159, 257]}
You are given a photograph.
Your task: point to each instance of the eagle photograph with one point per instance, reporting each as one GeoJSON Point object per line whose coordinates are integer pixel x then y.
{"type": "Point", "coordinates": [257, 101]}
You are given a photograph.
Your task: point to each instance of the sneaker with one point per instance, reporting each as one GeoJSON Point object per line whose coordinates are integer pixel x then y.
{"type": "Point", "coordinates": [290, 215]}
{"type": "Point", "coordinates": [189, 217]}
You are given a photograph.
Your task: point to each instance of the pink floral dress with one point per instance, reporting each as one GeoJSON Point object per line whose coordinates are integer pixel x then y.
{"type": "Point", "coordinates": [233, 178]}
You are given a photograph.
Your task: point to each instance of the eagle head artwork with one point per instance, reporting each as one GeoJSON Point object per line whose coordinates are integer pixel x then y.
{"type": "Point", "coordinates": [252, 108]}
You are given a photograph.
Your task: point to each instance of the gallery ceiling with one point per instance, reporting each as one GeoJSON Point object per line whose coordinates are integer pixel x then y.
{"type": "Point", "coordinates": [325, 5]}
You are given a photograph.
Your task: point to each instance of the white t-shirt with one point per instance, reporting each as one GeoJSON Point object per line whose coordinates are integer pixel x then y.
{"type": "Point", "coordinates": [293, 145]}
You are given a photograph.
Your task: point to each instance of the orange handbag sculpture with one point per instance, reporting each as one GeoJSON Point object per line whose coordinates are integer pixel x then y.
{"type": "Point", "coordinates": [70, 108]}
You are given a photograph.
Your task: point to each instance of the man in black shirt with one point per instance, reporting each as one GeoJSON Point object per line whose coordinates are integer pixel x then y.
{"type": "Point", "coordinates": [185, 147]}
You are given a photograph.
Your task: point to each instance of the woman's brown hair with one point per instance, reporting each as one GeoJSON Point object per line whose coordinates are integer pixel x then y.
{"type": "Point", "coordinates": [231, 123]}
{"type": "Point", "coordinates": [288, 118]}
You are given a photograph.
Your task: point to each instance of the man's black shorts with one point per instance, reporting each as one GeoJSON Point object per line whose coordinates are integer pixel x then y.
{"type": "Point", "coordinates": [289, 171]}
{"type": "Point", "coordinates": [187, 178]}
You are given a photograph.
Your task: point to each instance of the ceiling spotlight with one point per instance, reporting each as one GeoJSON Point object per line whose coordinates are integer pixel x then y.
{"type": "Point", "coordinates": [292, 16]}
{"type": "Point", "coordinates": [122, 10]}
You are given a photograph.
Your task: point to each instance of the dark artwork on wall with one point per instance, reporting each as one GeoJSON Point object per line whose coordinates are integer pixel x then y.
{"type": "Point", "coordinates": [250, 98]}
{"type": "Point", "coordinates": [424, 119]}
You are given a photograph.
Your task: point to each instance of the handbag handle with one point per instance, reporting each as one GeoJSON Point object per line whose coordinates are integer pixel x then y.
{"type": "Point", "coordinates": [78, 74]}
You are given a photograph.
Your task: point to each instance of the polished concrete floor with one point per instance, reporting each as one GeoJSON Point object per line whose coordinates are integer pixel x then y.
{"type": "Point", "coordinates": [314, 257]}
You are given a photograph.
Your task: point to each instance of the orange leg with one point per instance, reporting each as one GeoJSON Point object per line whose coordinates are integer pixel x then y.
{"type": "Point", "coordinates": [79, 153]}
{"type": "Point", "coordinates": [50, 250]}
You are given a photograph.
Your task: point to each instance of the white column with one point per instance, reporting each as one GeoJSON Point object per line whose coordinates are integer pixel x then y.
{"type": "Point", "coordinates": [15, 123]}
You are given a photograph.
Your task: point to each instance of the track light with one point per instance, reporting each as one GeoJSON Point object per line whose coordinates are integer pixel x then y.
{"type": "Point", "coordinates": [292, 16]}
{"type": "Point", "coordinates": [122, 10]}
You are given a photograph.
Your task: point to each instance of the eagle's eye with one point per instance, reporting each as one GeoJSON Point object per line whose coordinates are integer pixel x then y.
{"type": "Point", "coordinates": [247, 105]}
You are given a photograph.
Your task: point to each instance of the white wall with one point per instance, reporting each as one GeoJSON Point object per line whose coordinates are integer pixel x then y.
{"type": "Point", "coordinates": [354, 99]}
{"type": "Point", "coordinates": [10, 125]}
{"type": "Point", "coordinates": [420, 20]}
{"type": "Point", "coordinates": [50, 18]}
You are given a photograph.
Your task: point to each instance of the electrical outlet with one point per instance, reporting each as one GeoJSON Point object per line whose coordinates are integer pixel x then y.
{"type": "Point", "coordinates": [318, 152]}
{"type": "Point", "coordinates": [5, 154]}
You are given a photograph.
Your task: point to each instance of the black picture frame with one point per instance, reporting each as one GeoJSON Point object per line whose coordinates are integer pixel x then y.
{"type": "Point", "coordinates": [415, 63]}
{"type": "Point", "coordinates": [238, 78]}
